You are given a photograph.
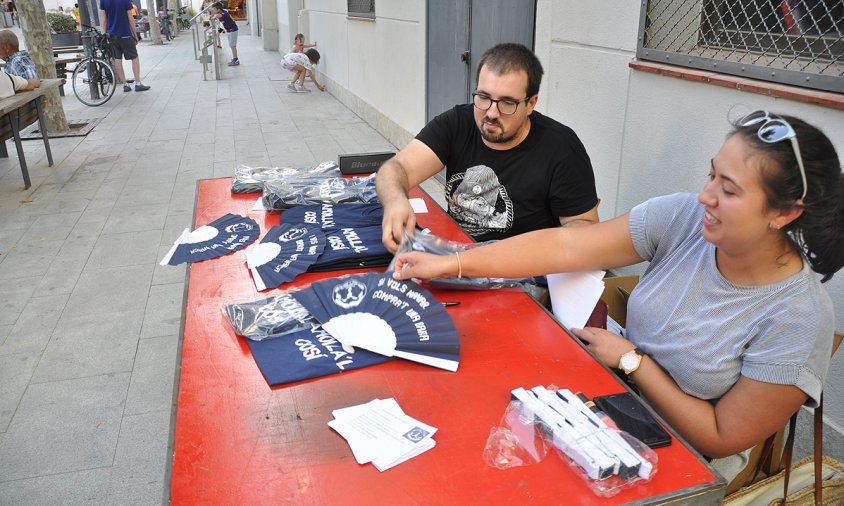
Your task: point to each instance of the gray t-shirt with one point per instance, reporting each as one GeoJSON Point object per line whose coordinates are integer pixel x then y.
{"type": "Point", "coordinates": [706, 331]}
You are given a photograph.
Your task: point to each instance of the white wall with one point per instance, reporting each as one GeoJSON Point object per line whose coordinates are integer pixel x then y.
{"type": "Point", "coordinates": [648, 134]}
{"type": "Point", "coordinates": [377, 68]}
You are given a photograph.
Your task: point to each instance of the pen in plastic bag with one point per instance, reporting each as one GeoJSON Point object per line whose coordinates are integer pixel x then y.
{"type": "Point", "coordinates": [595, 409]}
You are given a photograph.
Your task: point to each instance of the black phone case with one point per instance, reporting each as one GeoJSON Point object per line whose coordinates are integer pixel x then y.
{"type": "Point", "coordinates": [631, 417]}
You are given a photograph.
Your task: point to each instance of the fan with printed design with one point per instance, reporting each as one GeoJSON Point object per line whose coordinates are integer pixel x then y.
{"type": "Point", "coordinates": [220, 237]}
{"type": "Point", "coordinates": [394, 318]}
{"type": "Point", "coordinates": [286, 251]}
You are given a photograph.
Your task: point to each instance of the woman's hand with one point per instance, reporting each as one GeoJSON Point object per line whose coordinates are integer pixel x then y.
{"type": "Point", "coordinates": [608, 347]}
{"type": "Point", "coordinates": [420, 265]}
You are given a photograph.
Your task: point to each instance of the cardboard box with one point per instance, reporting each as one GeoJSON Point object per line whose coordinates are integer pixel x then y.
{"type": "Point", "coordinates": [616, 292]}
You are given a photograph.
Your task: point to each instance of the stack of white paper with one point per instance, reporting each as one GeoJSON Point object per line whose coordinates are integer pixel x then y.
{"type": "Point", "coordinates": [380, 432]}
{"type": "Point", "coordinates": [574, 295]}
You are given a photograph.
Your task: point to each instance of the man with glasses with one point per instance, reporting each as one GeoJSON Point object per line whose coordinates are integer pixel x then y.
{"type": "Point", "coordinates": [509, 169]}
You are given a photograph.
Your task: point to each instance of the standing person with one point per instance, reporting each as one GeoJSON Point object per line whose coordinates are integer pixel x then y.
{"type": "Point", "coordinates": [299, 45]}
{"type": "Point", "coordinates": [509, 169]}
{"type": "Point", "coordinates": [301, 64]}
{"type": "Point", "coordinates": [76, 15]}
{"type": "Point", "coordinates": [729, 331]}
{"type": "Point", "coordinates": [18, 62]}
{"type": "Point", "coordinates": [117, 21]}
{"type": "Point", "coordinates": [231, 29]}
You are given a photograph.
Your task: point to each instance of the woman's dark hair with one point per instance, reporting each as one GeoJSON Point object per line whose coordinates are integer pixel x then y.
{"type": "Point", "coordinates": [510, 57]}
{"type": "Point", "coordinates": [312, 55]}
{"type": "Point", "coordinates": [819, 231]}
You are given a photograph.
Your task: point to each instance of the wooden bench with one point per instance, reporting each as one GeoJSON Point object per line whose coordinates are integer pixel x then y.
{"type": "Point", "coordinates": [19, 111]}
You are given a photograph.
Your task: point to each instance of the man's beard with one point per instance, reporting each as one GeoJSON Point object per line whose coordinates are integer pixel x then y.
{"type": "Point", "coordinates": [501, 138]}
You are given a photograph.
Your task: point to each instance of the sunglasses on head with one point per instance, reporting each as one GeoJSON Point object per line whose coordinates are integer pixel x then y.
{"type": "Point", "coordinates": [774, 130]}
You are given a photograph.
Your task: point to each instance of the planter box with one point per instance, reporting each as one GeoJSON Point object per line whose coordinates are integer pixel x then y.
{"type": "Point", "coordinates": [66, 39]}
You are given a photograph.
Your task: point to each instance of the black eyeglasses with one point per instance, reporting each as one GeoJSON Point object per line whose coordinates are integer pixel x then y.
{"type": "Point", "coordinates": [506, 106]}
{"type": "Point", "coordinates": [775, 130]}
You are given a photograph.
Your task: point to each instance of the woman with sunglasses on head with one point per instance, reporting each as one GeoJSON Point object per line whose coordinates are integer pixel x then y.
{"type": "Point", "coordinates": [729, 331]}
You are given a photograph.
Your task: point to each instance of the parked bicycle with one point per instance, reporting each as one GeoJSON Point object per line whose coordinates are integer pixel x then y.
{"type": "Point", "coordinates": [94, 79]}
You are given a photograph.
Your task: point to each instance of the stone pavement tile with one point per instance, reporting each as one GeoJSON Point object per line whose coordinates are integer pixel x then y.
{"type": "Point", "coordinates": [32, 331]}
{"type": "Point", "coordinates": [15, 371]}
{"type": "Point", "coordinates": [4, 332]}
{"type": "Point", "coordinates": [139, 195]}
{"type": "Point", "coordinates": [135, 218]}
{"type": "Point", "coordinates": [130, 248]}
{"type": "Point", "coordinates": [89, 487]}
{"type": "Point", "coordinates": [62, 275]}
{"type": "Point", "coordinates": [14, 296]}
{"type": "Point", "coordinates": [110, 290]}
{"type": "Point", "coordinates": [19, 218]}
{"type": "Point", "coordinates": [83, 237]}
{"type": "Point", "coordinates": [51, 227]}
{"type": "Point", "coordinates": [163, 313]}
{"type": "Point", "coordinates": [153, 375]}
{"type": "Point", "coordinates": [64, 426]}
{"type": "Point", "coordinates": [8, 239]}
{"type": "Point", "coordinates": [162, 170]}
{"type": "Point", "coordinates": [90, 345]}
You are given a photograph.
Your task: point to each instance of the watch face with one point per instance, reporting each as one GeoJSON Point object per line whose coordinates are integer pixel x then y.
{"type": "Point", "coordinates": [629, 360]}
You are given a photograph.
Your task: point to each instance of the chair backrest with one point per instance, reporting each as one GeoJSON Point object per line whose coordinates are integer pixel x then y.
{"type": "Point", "coordinates": [766, 458]}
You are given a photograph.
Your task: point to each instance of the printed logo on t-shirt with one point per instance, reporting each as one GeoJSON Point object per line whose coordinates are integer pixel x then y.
{"type": "Point", "coordinates": [478, 202]}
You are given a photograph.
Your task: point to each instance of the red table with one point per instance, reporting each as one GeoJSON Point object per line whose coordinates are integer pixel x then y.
{"type": "Point", "coordinates": [238, 441]}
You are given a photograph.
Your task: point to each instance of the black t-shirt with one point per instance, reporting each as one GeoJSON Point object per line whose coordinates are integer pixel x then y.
{"type": "Point", "coordinates": [495, 194]}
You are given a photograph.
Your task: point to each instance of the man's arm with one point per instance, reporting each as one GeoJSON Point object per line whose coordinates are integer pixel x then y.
{"type": "Point", "coordinates": [412, 165]}
{"type": "Point", "coordinates": [587, 218]}
{"type": "Point", "coordinates": [103, 20]}
{"type": "Point", "coordinates": [132, 25]}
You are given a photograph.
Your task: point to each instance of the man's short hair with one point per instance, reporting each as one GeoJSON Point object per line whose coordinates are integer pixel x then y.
{"type": "Point", "coordinates": [9, 37]}
{"type": "Point", "coordinates": [217, 5]}
{"type": "Point", "coordinates": [510, 57]}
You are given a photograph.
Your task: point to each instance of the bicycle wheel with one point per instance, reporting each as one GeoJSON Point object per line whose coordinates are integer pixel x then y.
{"type": "Point", "coordinates": [94, 82]}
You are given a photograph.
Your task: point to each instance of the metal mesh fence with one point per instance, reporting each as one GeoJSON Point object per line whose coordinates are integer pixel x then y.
{"type": "Point", "coordinates": [797, 42]}
{"type": "Point", "coordinates": [363, 8]}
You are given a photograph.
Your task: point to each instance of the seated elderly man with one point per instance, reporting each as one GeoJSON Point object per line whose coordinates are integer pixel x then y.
{"type": "Point", "coordinates": [18, 62]}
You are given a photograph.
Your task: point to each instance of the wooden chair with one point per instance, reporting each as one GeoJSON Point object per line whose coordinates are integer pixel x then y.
{"type": "Point", "coordinates": [767, 458]}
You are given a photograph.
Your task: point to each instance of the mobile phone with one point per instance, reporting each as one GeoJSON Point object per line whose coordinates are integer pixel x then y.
{"type": "Point", "coordinates": [632, 417]}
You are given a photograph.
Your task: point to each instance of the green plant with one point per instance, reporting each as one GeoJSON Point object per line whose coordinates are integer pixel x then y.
{"type": "Point", "coordinates": [61, 23]}
{"type": "Point", "coordinates": [190, 12]}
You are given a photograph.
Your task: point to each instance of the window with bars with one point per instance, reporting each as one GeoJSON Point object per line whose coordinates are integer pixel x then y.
{"type": "Point", "coordinates": [795, 42]}
{"type": "Point", "coordinates": [363, 8]}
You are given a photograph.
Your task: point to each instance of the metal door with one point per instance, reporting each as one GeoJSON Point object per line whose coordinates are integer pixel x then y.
{"type": "Point", "coordinates": [459, 32]}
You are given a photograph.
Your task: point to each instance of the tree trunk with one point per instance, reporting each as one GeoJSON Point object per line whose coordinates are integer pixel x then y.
{"type": "Point", "coordinates": [36, 32]}
{"type": "Point", "coordinates": [154, 29]}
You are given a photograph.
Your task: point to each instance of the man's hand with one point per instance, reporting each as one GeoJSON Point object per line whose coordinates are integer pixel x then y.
{"type": "Point", "coordinates": [398, 216]}
{"type": "Point", "coordinates": [32, 84]}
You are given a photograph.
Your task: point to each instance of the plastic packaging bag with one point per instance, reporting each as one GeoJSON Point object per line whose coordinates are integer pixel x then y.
{"type": "Point", "coordinates": [285, 193]}
{"type": "Point", "coordinates": [608, 460]}
{"type": "Point", "coordinates": [423, 241]}
{"type": "Point", "coordinates": [515, 441]}
{"type": "Point", "coordinates": [267, 318]}
{"type": "Point", "coordinates": [251, 179]}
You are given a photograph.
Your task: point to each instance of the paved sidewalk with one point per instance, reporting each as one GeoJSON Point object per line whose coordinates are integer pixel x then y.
{"type": "Point", "coordinates": [89, 326]}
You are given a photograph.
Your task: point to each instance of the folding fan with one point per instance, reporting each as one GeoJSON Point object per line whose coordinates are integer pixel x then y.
{"type": "Point", "coordinates": [286, 251]}
{"type": "Point", "coordinates": [334, 216]}
{"type": "Point", "coordinates": [220, 237]}
{"type": "Point", "coordinates": [352, 248]}
{"type": "Point", "coordinates": [393, 318]}
{"type": "Point", "coordinates": [307, 353]}
{"type": "Point", "coordinates": [268, 318]}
